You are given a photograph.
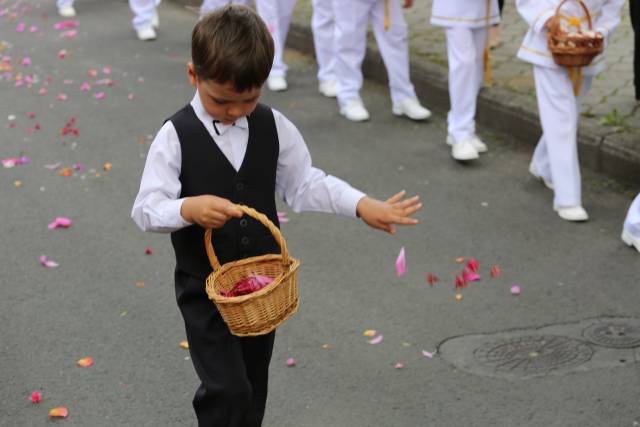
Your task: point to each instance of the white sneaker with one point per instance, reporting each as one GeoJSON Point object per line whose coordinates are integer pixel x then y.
{"type": "Point", "coordinates": [277, 83]}
{"type": "Point", "coordinates": [545, 181]}
{"type": "Point", "coordinates": [573, 213]}
{"type": "Point", "coordinates": [354, 110]}
{"type": "Point", "coordinates": [146, 33]}
{"type": "Point", "coordinates": [477, 143]}
{"type": "Point", "coordinates": [328, 88]}
{"type": "Point", "coordinates": [631, 240]}
{"type": "Point", "coordinates": [411, 108]}
{"type": "Point", "coordinates": [463, 151]}
{"type": "Point", "coordinates": [67, 11]}
{"type": "Point", "coordinates": [155, 20]}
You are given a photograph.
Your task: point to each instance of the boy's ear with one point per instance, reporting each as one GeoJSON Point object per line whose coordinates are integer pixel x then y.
{"type": "Point", "coordinates": [191, 71]}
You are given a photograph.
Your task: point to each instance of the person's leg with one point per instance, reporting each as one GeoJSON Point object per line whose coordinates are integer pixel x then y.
{"type": "Point", "coordinates": [558, 110]}
{"type": "Point", "coordinates": [211, 5]}
{"type": "Point", "coordinates": [465, 75]}
{"type": "Point", "coordinates": [322, 24]}
{"type": "Point", "coordinates": [232, 393]}
{"type": "Point", "coordinates": [351, 21]}
{"type": "Point", "coordinates": [394, 48]}
{"type": "Point", "coordinates": [634, 12]}
{"type": "Point", "coordinates": [143, 13]}
{"type": "Point", "coordinates": [64, 3]}
{"type": "Point", "coordinates": [631, 229]}
{"type": "Point", "coordinates": [277, 15]}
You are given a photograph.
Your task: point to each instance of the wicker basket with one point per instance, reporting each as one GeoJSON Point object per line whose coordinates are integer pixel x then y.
{"type": "Point", "coordinates": [574, 49]}
{"type": "Point", "coordinates": [262, 311]}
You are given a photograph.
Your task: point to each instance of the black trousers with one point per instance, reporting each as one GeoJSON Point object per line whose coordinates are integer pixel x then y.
{"type": "Point", "coordinates": [634, 11]}
{"type": "Point", "coordinates": [234, 371]}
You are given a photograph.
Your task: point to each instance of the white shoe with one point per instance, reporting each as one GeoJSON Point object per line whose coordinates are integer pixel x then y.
{"type": "Point", "coordinates": [328, 88]}
{"type": "Point", "coordinates": [631, 240]}
{"type": "Point", "coordinates": [463, 151]}
{"type": "Point", "coordinates": [155, 20]}
{"type": "Point", "coordinates": [573, 213]}
{"type": "Point", "coordinates": [411, 108]}
{"type": "Point", "coordinates": [354, 110]}
{"type": "Point", "coordinates": [277, 83]}
{"type": "Point", "coordinates": [67, 11]}
{"type": "Point", "coordinates": [146, 33]}
{"type": "Point", "coordinates": [477, 143]}
{"type": "Point", "coordinates": [545, 181]}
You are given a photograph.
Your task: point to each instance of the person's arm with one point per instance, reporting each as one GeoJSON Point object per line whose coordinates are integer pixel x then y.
{"type": "Point", "coordinates": [609, 17]}
{"type": "Point", "coordinates": [157, 207]}
{"type": "Point", "coordinates": [306, 188]}
{"type": "Point", "coordinates": [536, 12]}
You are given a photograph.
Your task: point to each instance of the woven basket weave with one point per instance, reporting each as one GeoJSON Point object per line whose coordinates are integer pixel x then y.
{"type": "Point", "coordinates": [574, 49]}
{"type": "Point", "coordinates": [260, 312]}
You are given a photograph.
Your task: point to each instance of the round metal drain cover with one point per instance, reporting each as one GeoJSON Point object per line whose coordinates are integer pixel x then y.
{"type": "Point", "coordinates": [614, 333]}
{"type": "Point", "coordinates": [535, 354]}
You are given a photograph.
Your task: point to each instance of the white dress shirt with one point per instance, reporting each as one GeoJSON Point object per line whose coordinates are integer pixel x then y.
{"type": "Point", "coordinates": [302, 186]}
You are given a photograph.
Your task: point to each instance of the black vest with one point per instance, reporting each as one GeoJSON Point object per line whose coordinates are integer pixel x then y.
{"type": "Point", "coordinates": [206, 170]}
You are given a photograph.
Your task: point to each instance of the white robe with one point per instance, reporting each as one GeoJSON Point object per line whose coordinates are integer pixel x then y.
{"type": "Point", "coordinates": [464, 13]}
{"type": "Point", "coordinates": [605, 15]}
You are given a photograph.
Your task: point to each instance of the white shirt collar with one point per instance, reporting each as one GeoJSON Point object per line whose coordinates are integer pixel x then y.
{"type": "Point", "coordinates": [208, 120]}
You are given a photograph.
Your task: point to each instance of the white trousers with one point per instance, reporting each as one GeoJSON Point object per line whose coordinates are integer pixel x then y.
{"type": "Point", "coordinates": [143, 12]}
{"type": "Point", "coordinates": [211, 5]}
{"type": "Point", "coordinates": [465, 47]}
{"type": "Point", "coordinates": [351, 20]}
{"type": "Point", "coordinates": [556, 155]}
{"type": "Point", "coordinates": [277, 15]}
{"type": "Point", "coordinates": [63, 3]}
{"type": "Point", "coordinates": [323, 28]}
{"type": "Point", "coordinates": [632, 223]}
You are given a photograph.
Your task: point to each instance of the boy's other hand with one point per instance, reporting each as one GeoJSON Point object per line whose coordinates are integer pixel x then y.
{"type": "Point", "coordinates": [384, 215]}
{"type": "Point", "coordinates": [209, 211]}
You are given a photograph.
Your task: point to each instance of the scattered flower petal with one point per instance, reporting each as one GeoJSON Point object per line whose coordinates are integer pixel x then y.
{"type": "Point", "coordinates": [376, 340]}
{"type": "Point", "coordinates": [326, 346]}
{"type": "Point", "coordinates": [291, 362]}
{"type": "Point", "coordinates": [398, 365]}
{"type": "Point", "coordinates": [47, 262]}
{"type": "Point", "coordinates": [473, 265]}
{"type": "Point", "coordinates": [282, 218]}
{"type": "Point", "coordinates": [85, 362]}
{"type": "Point", "coordinates": [184, 344]}
{"type": "Point", "coordinates": [427, 354]}
{"type": "Point", "coordinates": [495, 271]}
{"type": "Point", "coordinates": [60, 412]}
{"type": "Point", "coordinates": [66, 172]}
{"type": "Point", "coordinates": [140, 284]}
{"type": "Point", "coordinates": [148, 251]}
{"type": "Point", "coordinates": [17, 183]}
{"type": "Point", "coordinates": [53, 166]}
{"type": "Point", "coordinates": [98, 96]}
{"type": "Point", "coordinates": [107, 166]}
{"type": "Point", "coordinates": [36, 397]}
{"type": "Point", "coordinates": [470, 276]}
{"type": "Point", "coordinates": [61, 97]}
{"type": "Point", "coordinates": [70, 34]}
{"type": "Point", "coordinates": [515, 290]}
{"type": "Point", "coordinates": [369, 333]}
{"type": "Point", "coordinates": [401, 263]}
{"type": "Point", "coordinates": [460, 260]}
{"type": "Point", "coordinates": [59, 222]}
{"type": "Point", "coordinates": [66, 24]}
{"type": "Point", "coordinates": [432, 278]}
{"type": "Point", "coordinates": [458, 297]}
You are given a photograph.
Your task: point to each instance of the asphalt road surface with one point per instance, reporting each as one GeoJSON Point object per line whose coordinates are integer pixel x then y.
{"type": "Point", "coordinates": [109, 300]}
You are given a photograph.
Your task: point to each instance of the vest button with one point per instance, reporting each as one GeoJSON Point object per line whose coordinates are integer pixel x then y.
{"type": "Point", "coordinates": [243, 222]}
{"type": "Point", "coordinates": [244, 240]}
{"type": "Point", "coordinates": [239, 186]}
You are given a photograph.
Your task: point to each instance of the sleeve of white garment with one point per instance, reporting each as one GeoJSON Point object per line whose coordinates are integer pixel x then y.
{"type": "Point", "coordinates": [609, 18]}
{"type": "Point", "coordinates": [157, 206]}
{"type": "Point", "coordinates": [536, 12]}
{"type": "Point", "coordinates": [304, 187]}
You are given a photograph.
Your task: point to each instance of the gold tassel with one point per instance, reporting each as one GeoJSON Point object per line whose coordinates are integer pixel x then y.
{"type": "Point", "coordinates": [486, 57]}
{"type": "Point", "coordinates": [387, 20]}
{"type": "Point", "coordinates": [575, 75]}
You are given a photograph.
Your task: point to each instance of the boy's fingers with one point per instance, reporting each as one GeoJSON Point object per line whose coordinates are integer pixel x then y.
{"type": "Point", "coordinates": [408, 202]}
{"type": "Point", "coordinates": [403, 220]}
{"type": "Point", "coordinates": [233, 210]}
{"type": "Point", "coordinates": [396, 197]}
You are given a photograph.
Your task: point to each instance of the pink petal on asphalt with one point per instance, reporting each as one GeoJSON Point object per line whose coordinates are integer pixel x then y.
{"type": "Point", "coordinates": [26, 61]}
{"type": "Point", "coordinates": [470, 276]}
{"type": "Point", "coordinates": [61, 97]}
{"type": "Point", "coordinates": [473, 265]}
{"type": "Point", "coordinates": [69, 34]}
{"type": "Point", "coordinates": [85, 87]}
{"type": "Point", "coordinates": [291, 361]}
{"type": "Point", "coordinates": [376, 340]}
{"type": "Point", "coordinates": [53, 166]}
{"type": "Point", "coordinates": [398, 365]}
{"type": "Point", "coordinates": [282, 217]}
{"type": "Point", "coordinates": [36, 397]}
{"type": "Point", "coordinates": [428, 354]}
{"type": "Point", "coordinates": [495, 271]}
{"type": "Point", "coordinates": [401, 263]}
{"type": "Point", "coordinates": [515, 290]}
{"type": "Point", "coordinates": [47, 262]}
{"type": "Point", "coordinates": [99, 95]}
{"type": "Point", "coordinates": [21, 27]}
{"type": "Point", "coordinates": [66, 24]}
{"type": "Point", "coordinates": [60, 222]}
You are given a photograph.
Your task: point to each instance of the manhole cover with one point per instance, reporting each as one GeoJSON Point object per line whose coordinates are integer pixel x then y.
{"type": "Point", "coordinates": [614, 333]}
{"type": "Point", "coordinates": [534, 354]}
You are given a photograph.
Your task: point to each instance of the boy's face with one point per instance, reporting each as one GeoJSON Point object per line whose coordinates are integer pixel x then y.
{"type": "Point", "coordinates": [222, 101]}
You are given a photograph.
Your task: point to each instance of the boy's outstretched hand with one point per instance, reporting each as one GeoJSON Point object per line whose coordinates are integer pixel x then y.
{"type": "Point", "coordinates": [209, 211]}
{"type": "Point", "coordinates": [384, 215]}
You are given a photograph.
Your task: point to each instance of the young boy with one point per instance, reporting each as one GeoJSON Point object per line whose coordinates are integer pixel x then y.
{"type": "Point", "coordinates": [559, 91]}
{"type": "Point", "coordinates": [221, 149]}
{"type": "Point", "coordinates": [631, 229]}
{"type": "Point", "coordinates": [390, 29]}
{"type": "Point", "coordinates": [465, 23]}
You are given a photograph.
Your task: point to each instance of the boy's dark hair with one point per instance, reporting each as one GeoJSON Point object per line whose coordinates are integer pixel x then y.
{"type": "Point", "coordinates": [232, 45]}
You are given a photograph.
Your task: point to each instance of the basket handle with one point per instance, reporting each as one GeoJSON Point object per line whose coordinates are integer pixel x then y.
{"type": "Point", "coordinates": [584, 7]}
{"type": "Point", "coordinates": [213, 260]}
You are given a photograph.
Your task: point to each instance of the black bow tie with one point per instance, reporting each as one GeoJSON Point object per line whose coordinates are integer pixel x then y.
{"type": "Point", "coordinates": [216, 127]}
